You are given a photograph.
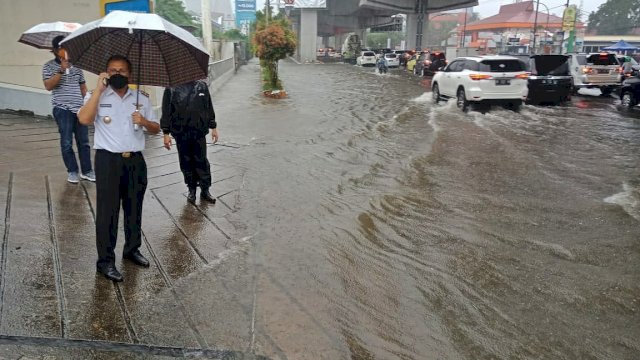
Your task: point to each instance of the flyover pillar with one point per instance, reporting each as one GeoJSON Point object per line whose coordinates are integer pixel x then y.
{"type": "Point", "coordinates": [414, 27]}
{"type": "Point", "coordinates": [308, 34]}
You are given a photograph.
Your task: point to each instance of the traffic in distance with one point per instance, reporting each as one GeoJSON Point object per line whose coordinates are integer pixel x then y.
{"type": "Point", "coordinates": [508, 80]}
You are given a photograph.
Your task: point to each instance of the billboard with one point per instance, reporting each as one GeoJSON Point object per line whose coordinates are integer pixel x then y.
{"type": "Point", "coordinates": [107, 6]}
{"type": "Point", "coordinates": [245, 5]}
{"type": "Point", "coordinates": [245, 15]}
{"type": "Point", "coordinates": [569, 18]}
{"type": "Point", "coordinates": [315, 4]}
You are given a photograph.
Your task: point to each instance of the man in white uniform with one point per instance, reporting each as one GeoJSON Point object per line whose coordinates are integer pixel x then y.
{"type": "Point", "coordinates": [121, 171]}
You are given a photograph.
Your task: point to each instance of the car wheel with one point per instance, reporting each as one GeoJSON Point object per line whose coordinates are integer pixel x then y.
{"type": "Point", "coordinates": [574, 91]}
{"type": "Point", "coordinates": [514, 106]}
{"type": "Point", "coordinates": [628, 100]}
{"type": "Point", "coordinates": [435, 93]}
{"type": "Point", "coordinates": [461, 100]}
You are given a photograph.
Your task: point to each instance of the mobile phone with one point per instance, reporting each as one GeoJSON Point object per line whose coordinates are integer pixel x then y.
{"type": "Point", "coordinates": [105, 81]}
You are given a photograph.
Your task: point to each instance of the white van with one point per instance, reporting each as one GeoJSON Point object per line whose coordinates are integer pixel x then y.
{"type": "Point", "coordinates": [596, 70]}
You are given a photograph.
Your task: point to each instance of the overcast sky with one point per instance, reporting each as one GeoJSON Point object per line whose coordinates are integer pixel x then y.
{"type": "Point", "coordinates": [488, 8]}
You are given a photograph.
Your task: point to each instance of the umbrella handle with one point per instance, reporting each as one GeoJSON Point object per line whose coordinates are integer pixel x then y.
{"type": "Point", "coordinates": [136, 127]}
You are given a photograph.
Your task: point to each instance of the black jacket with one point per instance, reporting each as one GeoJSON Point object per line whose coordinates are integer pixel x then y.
{"type": "Point", "coordinates": [187, 110]}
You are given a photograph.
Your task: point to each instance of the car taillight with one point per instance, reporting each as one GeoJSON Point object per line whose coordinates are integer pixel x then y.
{"type": "Point", "coordinates": [479, 76]}
{"type": "Point", "coordinates": [586, 70]}
{"type": "Point", "coordinates": [522, 76]}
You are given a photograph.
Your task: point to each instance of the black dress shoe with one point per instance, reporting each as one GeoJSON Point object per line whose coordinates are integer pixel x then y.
{"type": "Point", "coordinates": [191, 197]}
{"type": "Point", "coordinates": [206, 196]}
{"type": "Point", "coordinates": [137, 258]}
{"type": "Point", "coordinates": [110, 272]}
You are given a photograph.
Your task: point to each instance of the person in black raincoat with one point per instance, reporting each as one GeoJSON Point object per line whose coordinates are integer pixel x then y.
{"type": "Point", "coordinates": [187, 115]}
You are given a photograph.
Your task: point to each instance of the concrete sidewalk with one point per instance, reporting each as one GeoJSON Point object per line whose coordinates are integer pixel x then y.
{"type": "Point", "coordinates": [54, 305]}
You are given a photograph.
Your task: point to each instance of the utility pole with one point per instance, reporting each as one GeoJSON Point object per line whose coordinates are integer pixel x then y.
{"type": "Point", "coordinates": [267, 11]}
{"type": "Point", "coordinates": [420, 24]}
{"type": "Point", "coordinates": [205, 6]}
{"type": "Point", "coordinates": [464, 28]}
{"type": "Point", "coordinates": [535, 25]}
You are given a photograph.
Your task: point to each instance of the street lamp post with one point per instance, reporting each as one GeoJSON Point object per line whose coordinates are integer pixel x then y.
{"type": "Point", "coordinates": [535, 23]}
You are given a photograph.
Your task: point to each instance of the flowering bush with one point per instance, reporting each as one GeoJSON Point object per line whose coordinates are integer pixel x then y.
{"type": "Point", "coordinates": [272, 43]}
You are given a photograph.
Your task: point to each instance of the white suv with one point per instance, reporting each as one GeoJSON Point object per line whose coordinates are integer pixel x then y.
{"type": "Point", "coordinates": [482, 79]}
{"type": "Point", "coordinates": [597, 70]}
{"type": "Point", "coordinates": [366, 58]}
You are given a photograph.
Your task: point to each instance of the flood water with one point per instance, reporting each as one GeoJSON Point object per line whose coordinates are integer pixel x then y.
{"type": "Point", "coordinates": [384, 226]}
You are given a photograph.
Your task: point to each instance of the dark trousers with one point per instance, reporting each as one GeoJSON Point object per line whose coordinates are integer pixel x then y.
{"type": "Point", "coordinates": [119, 181]}
{"type": "Point", "coordinates": [192, 153]}
{"type": "Point", "coordinates": [68, 127]}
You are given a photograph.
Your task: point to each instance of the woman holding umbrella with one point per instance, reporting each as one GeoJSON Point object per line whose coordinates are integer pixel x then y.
{"type": "Point", "coordinates": [121, 171]}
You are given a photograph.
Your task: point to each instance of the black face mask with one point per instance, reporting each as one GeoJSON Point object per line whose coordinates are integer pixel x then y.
{"type": "Point", "coordinates": [118, 81]}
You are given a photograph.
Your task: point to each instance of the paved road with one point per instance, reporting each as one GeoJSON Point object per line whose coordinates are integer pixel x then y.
{"type": "Point", "coordinates": [355, 220]}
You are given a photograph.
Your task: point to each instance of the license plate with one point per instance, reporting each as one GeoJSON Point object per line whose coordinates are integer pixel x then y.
{"type": "Point", "coordinates": [550, 82]}
{"type": "Point", "coordinates": [503, 82]}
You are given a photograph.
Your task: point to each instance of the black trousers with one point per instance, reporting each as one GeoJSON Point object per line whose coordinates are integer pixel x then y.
{"type": "Point", "coordinates": [192, 153]}
{"type": "Point", "coordinates": [120, 181]}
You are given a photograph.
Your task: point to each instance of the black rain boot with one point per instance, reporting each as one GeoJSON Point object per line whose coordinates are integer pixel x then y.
{"type": "Point", "coordinates": [191, 197]}
{"type": "Point", "coordinates": [206, 196]}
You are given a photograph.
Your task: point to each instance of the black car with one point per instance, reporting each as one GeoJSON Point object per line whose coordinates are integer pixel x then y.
{"type": "Point", "coordinates": [630, 92]}
{"type": "Point", "coordinates": [550, 80]}
{"type": "Point", "coordinates": [429, 62]}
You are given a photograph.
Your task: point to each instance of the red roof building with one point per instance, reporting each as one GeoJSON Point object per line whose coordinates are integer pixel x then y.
{"type": "Point", "coordinates": [513, 21]}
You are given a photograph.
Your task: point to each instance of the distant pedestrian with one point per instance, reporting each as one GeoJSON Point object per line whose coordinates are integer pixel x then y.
{"type": "Point", "coordinates": [68, 88]}
{"type": "Point", "coordinates": [627, 66]}
{"type": "Point", "coordinates": [121, 171]}
{"type": "Point", "coordinates": [187, 115]}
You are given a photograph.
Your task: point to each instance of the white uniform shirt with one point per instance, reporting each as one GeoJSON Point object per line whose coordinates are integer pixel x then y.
{"type": "Point", "coordinates": [119, 135]}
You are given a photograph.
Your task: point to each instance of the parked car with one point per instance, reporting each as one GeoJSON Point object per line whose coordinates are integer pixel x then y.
{"type": "Point", "coordinates": [366, 58]}
{"type": "Point", "coordinates": [630, 92]}
{"type": "Point", "coordinates": [391, 60]}
{"type": "Point", "coordinates": [411, 62]}
{"type": "Point", "coordinates": [429, 62]}
{"type": "Point", "coordinates": [495, 79]}
{"type": "Point", "coordinates": [597, 70]}
{"type": "Point", "coordinates": [629, 67]}
{"type": "Point", "coordinates": [549, 79]}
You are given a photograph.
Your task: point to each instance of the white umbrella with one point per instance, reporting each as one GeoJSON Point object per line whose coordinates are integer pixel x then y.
{"type": "Point", "coordinates": [42, 35]}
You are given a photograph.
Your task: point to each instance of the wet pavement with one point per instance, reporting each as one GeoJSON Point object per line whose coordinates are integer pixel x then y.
{"type": "Point", "coordinates": [355, 219]}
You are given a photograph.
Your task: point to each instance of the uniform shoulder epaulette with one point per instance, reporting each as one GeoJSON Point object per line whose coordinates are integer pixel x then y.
{"type": "Point", "coordinates": [144, 93]}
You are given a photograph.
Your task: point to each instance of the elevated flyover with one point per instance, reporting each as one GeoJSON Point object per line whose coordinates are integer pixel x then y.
{"type": "Point", "coordinates": [345, 16]}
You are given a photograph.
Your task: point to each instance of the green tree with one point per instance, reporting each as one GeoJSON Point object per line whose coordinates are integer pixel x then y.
{"type": "Point", "coordinates": [439, 32]}
{"type": "Point", "coordinates": [273, 40]}
{"type": "Point", "coordinates": [379, 39]}
{"type": "Point", "coordinates": [174, 11]}
{"type": "Point", "coordinates": [615, 17]}
{"type": "Point", "coordinates": [234, 34]}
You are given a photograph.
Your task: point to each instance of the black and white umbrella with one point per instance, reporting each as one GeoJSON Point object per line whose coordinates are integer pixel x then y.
{"type": "Point", "coordinates": [162, 54]}
{"type": "Point", "coordinates": [42, 35]}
